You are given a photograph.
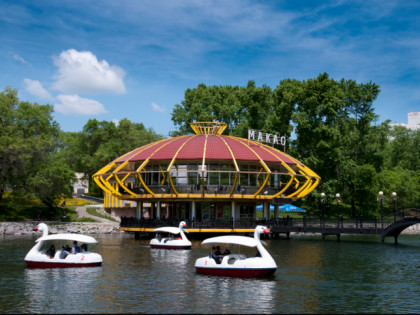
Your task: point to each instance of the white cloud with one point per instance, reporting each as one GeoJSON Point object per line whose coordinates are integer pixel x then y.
{"type": "Point", "coordinates": [116, 122]}
{"type": "Point", "coordinates": [35, 88]}
{"type": "Point", "coordinates": [81, 72]}
{"type": "Point", "coordinates": [157, 108]}
{"type": "Point", "coordinates": [76, 105]}
{"type": "Point", "coordinates": [19, 58]}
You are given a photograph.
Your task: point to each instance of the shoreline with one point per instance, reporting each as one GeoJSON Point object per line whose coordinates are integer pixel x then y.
{"type": "Point", "coordinates": [26, 227]}
{"type": "Point", "coordinates": [109, 227]}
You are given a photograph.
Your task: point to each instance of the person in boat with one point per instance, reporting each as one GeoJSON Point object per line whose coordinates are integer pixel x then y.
{"type": "Point", "coordinates": [51, 252]}
{"type": "Point", "coordinates": [84, 247]}
{"type": "Point", "coordinates": [226, 251]}
{"type": "Point", "coordinates": [217, 258]}
{"type": "Point", "coordinates": [75, 249]}
{"type": "Point", "coordinates": [218, 252]}
{"type": "Point", "coordinates": [66, 251]}
{"type": "Point", "coordinates": [158, 236]}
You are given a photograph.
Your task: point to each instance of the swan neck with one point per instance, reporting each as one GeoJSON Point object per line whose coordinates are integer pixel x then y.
{"type": "Point", "coordinates": [182, 235]}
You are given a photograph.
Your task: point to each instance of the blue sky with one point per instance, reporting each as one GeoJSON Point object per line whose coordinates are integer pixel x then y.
{"type": "Point", "coordinates": [134, 59]}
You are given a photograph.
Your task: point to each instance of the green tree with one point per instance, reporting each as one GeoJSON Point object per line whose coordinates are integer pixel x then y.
{"type": "Point", "coordinates": [403, 181]}
{"type": "Point", "coordinates": [29, 141]}
{"type": "Point", "coordinates": [101, 142]}
{"type": "Point", "coordinates": [240, 108]}
{"type": "Point", "coordinates": [403, 148]}
{"type": "Point", "coordinates": [335, 135]}
{"type": "Point", "coordinates": [331, 126]}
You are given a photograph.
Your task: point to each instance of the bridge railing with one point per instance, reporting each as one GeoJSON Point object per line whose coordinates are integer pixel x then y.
{"type": "Point", "coordinates": [304, 222]}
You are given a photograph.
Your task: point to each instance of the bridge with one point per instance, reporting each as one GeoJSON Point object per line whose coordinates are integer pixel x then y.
{"type": "Point", "coordinates": [384, 228]}
{"type": "Point", "coordinates": [389, 226]}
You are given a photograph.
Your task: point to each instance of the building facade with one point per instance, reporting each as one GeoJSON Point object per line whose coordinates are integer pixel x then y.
{"type": "Point", "coordinates": [203, 176]}
{"type": "Point", "coordinates": [413, 121]}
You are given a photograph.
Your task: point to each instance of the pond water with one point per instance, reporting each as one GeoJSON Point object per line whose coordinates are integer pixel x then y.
{"type": "Point", "coordinates": [359, 274]}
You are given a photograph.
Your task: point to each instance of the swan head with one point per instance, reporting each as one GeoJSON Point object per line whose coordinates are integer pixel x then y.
{"type": "Point", "coordinates": [182, 225]}
{"type": "Point", "coordinates": [43, 228]}
{"type": "Point", "coordinates": [261, 229]}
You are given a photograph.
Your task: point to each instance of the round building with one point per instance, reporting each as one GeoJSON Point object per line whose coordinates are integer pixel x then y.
{"type": "Point", "coordinates": [203, 176]}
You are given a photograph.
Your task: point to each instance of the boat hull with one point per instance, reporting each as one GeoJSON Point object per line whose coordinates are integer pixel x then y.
{"type": "Point", "coordinates": [41, 264]}
{"type": "Point", "coordinates": [170, 246]}
{"type": "Point", "coordinates": [231, 272]}
{"type": "Point", "coordinates": [236, 265]}
{"type": "Point", "coordinates": [169, 243]}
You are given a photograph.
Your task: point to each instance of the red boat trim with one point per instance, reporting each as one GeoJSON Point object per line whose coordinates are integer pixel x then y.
{"type": "Point", "coordinates": [230, 272]}
{"type": "Point", "coordinates": [37, 264]}
{"type": "Point", "coordinates": [170, 247]}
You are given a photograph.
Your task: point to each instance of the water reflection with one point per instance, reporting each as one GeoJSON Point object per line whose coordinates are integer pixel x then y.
{"type": "Point", "coordinates": [59, 289]}
{"type": "Point", "coordinates": [170, 257]}
{"type": "Point", "coordinates": [312, 277]}
{"type": "Point", "coordinates": [226, 295]}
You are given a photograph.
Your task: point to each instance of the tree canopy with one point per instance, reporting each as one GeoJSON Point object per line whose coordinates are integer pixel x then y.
{"type": "Point", "coordinates": [331, 126]}
{"type": "Point", "coordinates": [29, 140]}
{"type": "Point", "coordinates": [101, 142]}
{"type": "Point", "coordinates": [38, 160]}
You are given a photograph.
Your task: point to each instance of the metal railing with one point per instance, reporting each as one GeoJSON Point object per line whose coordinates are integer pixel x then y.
{"type": "Point", "coordinates": [305, 222]}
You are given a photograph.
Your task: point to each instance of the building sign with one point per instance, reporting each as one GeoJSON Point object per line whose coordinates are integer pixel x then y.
{"type": "Point", "coordinates": [260, 136]}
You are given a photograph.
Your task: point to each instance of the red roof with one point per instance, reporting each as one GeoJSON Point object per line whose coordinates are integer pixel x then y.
{"type": "Point", "coordinates": [215, 147]}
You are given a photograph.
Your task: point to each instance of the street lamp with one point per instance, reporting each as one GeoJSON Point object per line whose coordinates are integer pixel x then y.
{"type": "Point", "coordinates": [394, 199]}
{"type": "Point", "coordinates": [337, 198]}
{"type": "Point", "coordinates": [381, 199]}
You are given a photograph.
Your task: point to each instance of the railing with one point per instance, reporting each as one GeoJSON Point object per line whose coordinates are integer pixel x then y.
{"type": "Point", "coordinates": [306, 223]}
{"type": "Point", "coordinates": [200, 224]}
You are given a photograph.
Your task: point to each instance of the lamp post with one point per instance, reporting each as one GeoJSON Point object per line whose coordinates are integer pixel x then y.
{"type": "Point", "coordinates": [323, 205]}
{"type": "Point", "coordinates": [337, 198]}
{"type": "Point", "coordinates": [394, 199]}
{"type": "Point", "coordinates": [381, 199]}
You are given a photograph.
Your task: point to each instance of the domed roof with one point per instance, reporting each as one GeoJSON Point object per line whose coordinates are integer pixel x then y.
{"type": "Point", "coordinates": [209, 146]}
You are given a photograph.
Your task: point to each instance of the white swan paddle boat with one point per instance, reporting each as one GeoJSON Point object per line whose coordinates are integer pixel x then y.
{"type": "Point", "coordinates": [181, 242]}
{"type": "Point", "coordinates": [238, 265]}
{"type": "Point", "coordinates": [37, 257]}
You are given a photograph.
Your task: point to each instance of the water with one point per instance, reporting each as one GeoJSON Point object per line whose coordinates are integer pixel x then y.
{"type": "Point", "coordinates": [356, 275]}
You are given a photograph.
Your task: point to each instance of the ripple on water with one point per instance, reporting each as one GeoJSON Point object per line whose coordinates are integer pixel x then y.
{"type": "Point", "coordinates": [313, 276]}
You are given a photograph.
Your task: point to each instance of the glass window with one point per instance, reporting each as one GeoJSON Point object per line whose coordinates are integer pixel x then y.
{"type": "Point", "coordinates": [253, 175]}
{"type": "Point", "coordinates": [155, 175]}
{"type": "Point", "coordinates": [226, 174]}
{"type": "Point", "coordinates": [246, 211]}
{"type": "Point", "coordinates": [173, 173]}
{"type": "Point", "coordinates": [192, 176]}
{"type": "Point", "coordinates": [206, 212]}
{"type": "Point", "coordinates": [182, 174]}
{"type": "Point", "coordinates": [214, 174]}
{"type": "Point", "coordinates": [226, 212]}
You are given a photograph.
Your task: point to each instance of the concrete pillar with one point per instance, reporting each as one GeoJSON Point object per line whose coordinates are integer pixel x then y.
{"type": "Point", "coordinates": [192, 210]}
{"type": "Point", "coordinates": [266, 210]}
{"type": "Point", "coordinates": [139, 209]}
{"type": "Point", "coordinates": [233, 210]}
{"type": "Point", "coordinates": [158, 211]}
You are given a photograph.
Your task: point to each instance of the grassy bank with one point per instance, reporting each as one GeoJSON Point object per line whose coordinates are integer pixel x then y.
{"type": "Point", "coordinates": [17, 210]}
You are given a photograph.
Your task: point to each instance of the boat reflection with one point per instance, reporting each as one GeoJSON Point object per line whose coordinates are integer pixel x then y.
{"type": "Point", "coordinates": [47, 289]}
{"type": "Point", "coordinates": [257, 294]}
{"type": "Point", "coordinates": [163, 256]}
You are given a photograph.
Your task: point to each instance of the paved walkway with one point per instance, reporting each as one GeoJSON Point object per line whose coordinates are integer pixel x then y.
{"type": "Point", "coordinates": [81, 211]}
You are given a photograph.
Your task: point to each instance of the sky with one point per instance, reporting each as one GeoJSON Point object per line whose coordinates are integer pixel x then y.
{"type": "Point", "coordinates": [109, 60]}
